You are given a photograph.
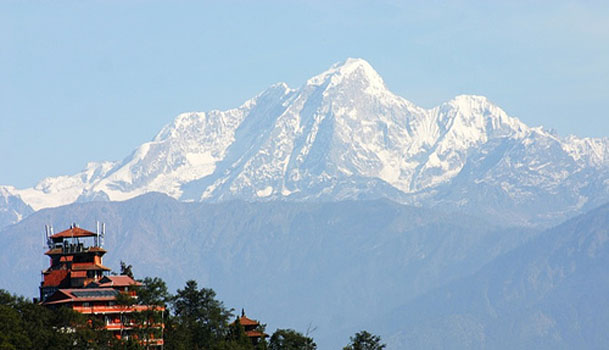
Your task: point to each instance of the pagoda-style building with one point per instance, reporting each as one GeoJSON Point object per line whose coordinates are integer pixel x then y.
{"type": "Point", "coordinates": [251, 327]}
{"type": "Point", "coordinates": [78, 279]}
{"type": "Point", "coordinates": [76, 260]}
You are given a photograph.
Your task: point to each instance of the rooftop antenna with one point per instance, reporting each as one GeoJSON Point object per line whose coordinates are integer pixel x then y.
{"type": "Point", "coordinates": [48, 232]}
{"type": "Point", "coordinates": [103, 234]}
{"type": "Point", "coordinates": [96, 233]}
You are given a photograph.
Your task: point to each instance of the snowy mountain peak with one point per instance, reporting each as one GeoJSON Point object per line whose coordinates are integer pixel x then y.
{"type": "Point", "coordinates": [344, 135]}
{"type": "Point", "coordinates": [478, 112]}
{"type": "Point", "coordinates": [469, 101]}
{"type": "Point", "coordinates": [352, 70]}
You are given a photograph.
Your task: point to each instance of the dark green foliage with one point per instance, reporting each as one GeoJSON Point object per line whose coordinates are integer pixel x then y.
{"type": "Point", "coordinates": [262, 343]}
{"type": "Point", "coordinates": [153, 294]}
{"type": "Point", "coordinates": [365, 341]}
{"type": "Point", "coordinates": [25, 325]}
{"type": "Point", "coordinates": [125, 299]}
{"type": "Point", "coordinates": [289, 339]}
{"type": "Point", "coordinates": [196, 320]}
{"type": "Point", "coordinates": [153, 291]}
{"type": "Point", "coordinates": [235, 339]}
{"type": "Point", "coordinates": [200, 321]}
{"type": "Point", "coordinates": [12, 331]}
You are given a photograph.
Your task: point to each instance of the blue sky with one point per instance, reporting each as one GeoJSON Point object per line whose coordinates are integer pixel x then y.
{"type": "Point", "coordinates": [90, 80]}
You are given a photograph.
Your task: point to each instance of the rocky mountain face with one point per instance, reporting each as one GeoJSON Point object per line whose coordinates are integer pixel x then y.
{"type": "Point", "coordinates": [344, 135]}
{"type": "Point", "coordinates": [333, 265]}
{"type": "Point", "coordinates": [550, 293]}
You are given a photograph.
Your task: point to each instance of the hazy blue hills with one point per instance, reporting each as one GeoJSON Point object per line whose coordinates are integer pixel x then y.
{"type": "Point", "coordinates": [334, 266]}
{"type": "Point", "coordinates": [551, 293]}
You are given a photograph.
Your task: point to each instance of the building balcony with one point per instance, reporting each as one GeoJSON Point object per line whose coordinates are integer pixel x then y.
{"type": "Point", "coordinates": [113, 309]}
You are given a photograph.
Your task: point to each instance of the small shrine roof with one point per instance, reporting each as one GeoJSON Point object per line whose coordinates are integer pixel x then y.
{"type": "Point", "coordinates": [247, 321]}
{"type": "Point", "coordinates": [255, 334]}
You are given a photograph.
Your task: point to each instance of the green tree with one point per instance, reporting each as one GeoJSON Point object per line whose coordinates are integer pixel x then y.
{"type": "Point", "coordinates": [365, 341]}
{"type": "Point", "coordinates": [236, 339]}
{"type": "Point", "coordinates": [200, 321]}
{"type": "Point", "coordinates": [289, 339]}
{"type": "Point", "coordinates": [262, 343]}
{"type": "Point", "coordinates": [26, 325]}
{"type": "Point", "coordinates": [152, 298]}
{"type": "Point", "coordinates": [153, 291]}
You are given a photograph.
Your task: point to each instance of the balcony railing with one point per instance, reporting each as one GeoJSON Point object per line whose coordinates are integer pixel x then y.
{"type": "Point", "coordinates": [113, 309]}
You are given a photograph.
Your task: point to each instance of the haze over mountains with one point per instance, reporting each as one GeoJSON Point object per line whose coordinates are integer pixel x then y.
{"type": "Point", "coordinates": [344, 135]}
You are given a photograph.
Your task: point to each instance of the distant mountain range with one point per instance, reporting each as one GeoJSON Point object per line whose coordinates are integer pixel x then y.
{"type": "Point", "coordinates": [343, 135]}
{"type": "Point", "coordinates": [421, 278]}
{"type": "Point", "coordinates": [550, 293]}
{"type": "Point", "coordinates": [334, 266]}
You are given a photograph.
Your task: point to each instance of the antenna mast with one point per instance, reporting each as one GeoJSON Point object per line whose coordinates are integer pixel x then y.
{"type": "Point", "coordinates": [103, 235]}
{"type": "Point", "coordinates": [48, 232]}
{"type": "Point", "coordinates": [96, 233]}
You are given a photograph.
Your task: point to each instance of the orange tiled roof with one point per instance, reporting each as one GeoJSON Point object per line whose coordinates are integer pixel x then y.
{"type": "Point", "coordinates": [63, 296]}
{"type": "Point", "coordinates": [118, 281]}
{"type": "Point", "coordinates": [246, 321]}
{"type": "Point", "coordinates": [73, 232]}
{"type": "Point", "coordinates": [255, 334]}
{"type": "Point", "coordinates": [54, 277]}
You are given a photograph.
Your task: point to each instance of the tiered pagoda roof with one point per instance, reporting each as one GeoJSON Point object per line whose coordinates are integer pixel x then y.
{"type": "Point", "coordinates": [251, 327]}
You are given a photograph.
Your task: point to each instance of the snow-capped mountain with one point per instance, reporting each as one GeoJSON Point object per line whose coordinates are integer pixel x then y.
{"type": "Point", "coordinates": [12, 208]}
{"type": "Point", "coordinates": [344, 135]}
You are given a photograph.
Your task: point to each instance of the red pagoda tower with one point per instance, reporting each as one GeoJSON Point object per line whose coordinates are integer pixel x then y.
{"type": "Point", "coordinates": [76, 260]}
{"type": "Point", "coordinates": [77, 279]}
